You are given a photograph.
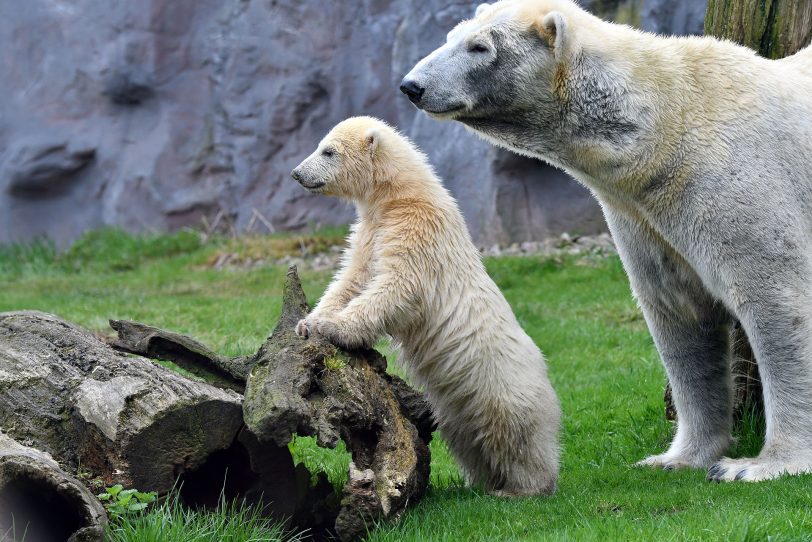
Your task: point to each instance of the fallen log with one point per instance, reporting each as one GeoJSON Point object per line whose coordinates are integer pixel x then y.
{"type": "Point", "coordinates": [312, 388]}
{"type": "Point", "coordinates": [39, 502]}
{"type": "Point", "coordinates": [125, 419]}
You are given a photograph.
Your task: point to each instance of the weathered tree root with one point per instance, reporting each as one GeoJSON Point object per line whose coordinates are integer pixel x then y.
{"type": "Point", "coordinates": [41, 501]}
{"type": "Point", "coordinates": [310, 387]}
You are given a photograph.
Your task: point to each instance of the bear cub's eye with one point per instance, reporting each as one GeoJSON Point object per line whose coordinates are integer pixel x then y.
{"type": "Point", "coordinates": [477, 48]}
{"type": "Point", "coordinates": [328, 153]}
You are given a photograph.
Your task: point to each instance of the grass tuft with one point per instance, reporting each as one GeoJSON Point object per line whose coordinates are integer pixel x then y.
{"type": "Point", "coordinates": [20, 259]}
{"type": "Point", "coordinates": [333, 463]}
{"type": "Point", "coordinates": [172, 522]}
{"type": "Point", "coordinates": [112, 249]}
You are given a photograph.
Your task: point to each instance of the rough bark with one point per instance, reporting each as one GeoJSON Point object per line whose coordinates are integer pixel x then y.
{"type": "Point", "coordinates": [774, 28]}
{"type": "Point", "coordinates": [123, 419]}
{"type": "Point", "coordinates": [186, 352]}
{"type": "Point", "coordinates": [39, 502]}
{"type": "Point", "coordinates": [312, 388]}
{"type": "Point", "coordinates": [747, 392]}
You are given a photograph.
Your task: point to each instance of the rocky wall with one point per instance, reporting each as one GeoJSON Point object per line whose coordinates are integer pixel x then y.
{"type": "Point", "coordinates": [160, 114]}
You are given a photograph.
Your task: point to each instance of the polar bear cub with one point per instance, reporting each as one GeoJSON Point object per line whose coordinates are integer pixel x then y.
{"type": "Point", "coordinates": [412, 271]}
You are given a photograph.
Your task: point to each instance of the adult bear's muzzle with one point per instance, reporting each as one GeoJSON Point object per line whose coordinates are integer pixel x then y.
{"type": "Point", "coordinates": [412, 90]}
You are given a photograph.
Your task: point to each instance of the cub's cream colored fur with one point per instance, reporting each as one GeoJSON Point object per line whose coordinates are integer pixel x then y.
{"type": "Point", "coordinates": [412, 271]}
{"type": "Point", "coordinates": [700, 153]}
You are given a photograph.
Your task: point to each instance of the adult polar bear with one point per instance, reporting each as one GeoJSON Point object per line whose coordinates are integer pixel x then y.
{"type": "Point", "coordinates": [700, 153]}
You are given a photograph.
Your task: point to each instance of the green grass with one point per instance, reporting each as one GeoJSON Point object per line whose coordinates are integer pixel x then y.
{"type": "Point", "coordinates": [601, 360]}
{"type": "Point", "coordinates": [170, 522]}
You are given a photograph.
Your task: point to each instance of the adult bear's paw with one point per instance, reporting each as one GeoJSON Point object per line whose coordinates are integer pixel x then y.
{"type": "Point", "coordinates": [696, 456]}
{"type": "Point", "coordinates": [686, 458]}
{"type": "Point", "coordinates": [757, 469]}
{"type": "Point", "coordinates": [668, 461]}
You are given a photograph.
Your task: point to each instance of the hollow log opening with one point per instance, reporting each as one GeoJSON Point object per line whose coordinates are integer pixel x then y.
{"type": "Point", "coordinates": [36, 510]}
{"type": "Point", "coordinates": [182, 441]}
{"type": "Point", "coordinates": [225, 474]}
{"type": "Point", "coordinates": [363, 444]}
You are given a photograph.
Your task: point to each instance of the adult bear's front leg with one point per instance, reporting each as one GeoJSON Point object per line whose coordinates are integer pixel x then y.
{"type": "Point", "coordinates": [692, 334]}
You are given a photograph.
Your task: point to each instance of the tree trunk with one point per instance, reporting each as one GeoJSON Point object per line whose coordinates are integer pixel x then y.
{"type": "Point", "coordinates": [39, 502]}
{"type": "Point", "coordinates": [775, 29]}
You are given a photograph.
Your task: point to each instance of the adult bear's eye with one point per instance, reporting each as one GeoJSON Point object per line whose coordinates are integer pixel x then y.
{"type": "Point", "coordinates": [478, 48]}
{"type": "Point", "coordinates": [328, 153]}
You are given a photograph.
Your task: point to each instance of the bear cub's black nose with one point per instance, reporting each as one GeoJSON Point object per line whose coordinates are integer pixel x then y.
{"type": "Point", "coordinates": [412, 90]}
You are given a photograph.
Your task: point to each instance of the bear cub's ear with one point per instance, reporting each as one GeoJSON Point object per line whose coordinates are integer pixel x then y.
{"type": "Point", "coordinates": [553, 28]}
{"type": "Point", "coordinates": [480, 9]}
{"type": "Point", "coordinates": [372, 139]}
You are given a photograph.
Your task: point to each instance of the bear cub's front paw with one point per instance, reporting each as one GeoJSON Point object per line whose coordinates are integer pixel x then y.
{"type": "Point", "coordinates": [315, 325]}
{"type": "Point", "coordinates": [335, 332]}
{"type": "Point", "coordinates": [322, 326]}
{"type": "Point", "coordinates": [302, 329]}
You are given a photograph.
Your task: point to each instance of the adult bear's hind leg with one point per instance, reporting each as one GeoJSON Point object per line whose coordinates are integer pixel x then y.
{"type": "Point", "coordinates": [696, 355]}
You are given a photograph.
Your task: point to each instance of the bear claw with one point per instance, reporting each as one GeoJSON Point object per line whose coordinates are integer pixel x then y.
{"type": "Point", "coordinates": [716, 472]}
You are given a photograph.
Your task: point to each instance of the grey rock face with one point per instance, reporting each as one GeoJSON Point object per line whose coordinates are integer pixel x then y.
{"type": "Point", "coordinates": [159, 113]}
{"type": "Point", "coordinates": [674, 17]}
{"type": "Point", "coordinates": [41, 168]}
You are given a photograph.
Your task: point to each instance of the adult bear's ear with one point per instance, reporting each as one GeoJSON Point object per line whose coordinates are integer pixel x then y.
{"type": "Point", "coordinates": [372, 140]}
{"type": "Point", "coordinates": [480, 9]}
{"type": "Point", "coordinates": [553, 28]}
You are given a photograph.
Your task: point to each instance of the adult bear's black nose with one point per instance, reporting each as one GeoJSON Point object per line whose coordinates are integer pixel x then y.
{"type": "Point", "coordinates": [412, 90]}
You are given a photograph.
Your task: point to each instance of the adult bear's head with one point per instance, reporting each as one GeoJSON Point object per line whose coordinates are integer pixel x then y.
{"type": "Point", "coordinates": [504, 71]}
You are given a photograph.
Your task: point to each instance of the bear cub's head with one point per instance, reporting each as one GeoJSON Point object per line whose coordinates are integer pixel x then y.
{"type": "Point", "coordinates": [355, 158]}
